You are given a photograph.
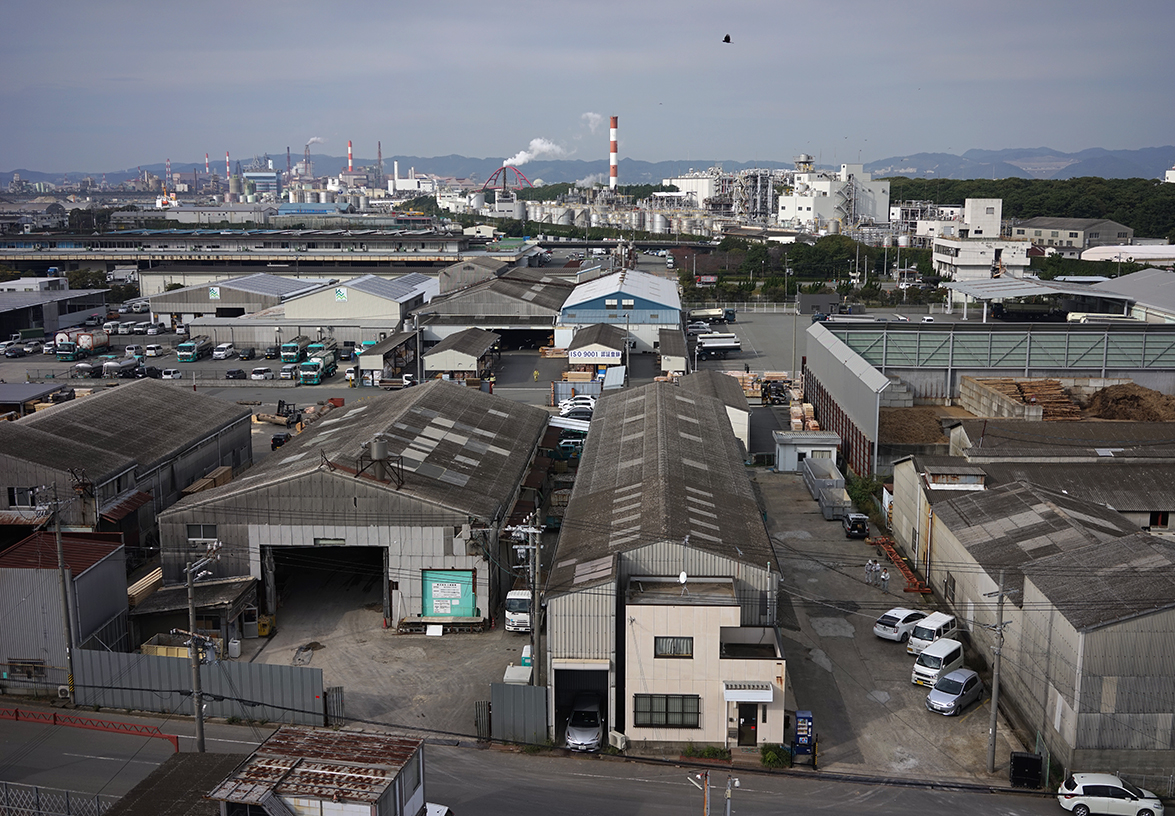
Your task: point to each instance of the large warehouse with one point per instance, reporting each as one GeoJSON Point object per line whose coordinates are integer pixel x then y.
{"type": "Point", "coordinates": [662, 595]}
{"type": "Point", "coordinates": [411, 489]}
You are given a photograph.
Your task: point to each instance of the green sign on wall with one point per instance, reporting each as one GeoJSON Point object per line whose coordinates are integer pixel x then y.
{"type": "Point", "coordinates": [448, 594]}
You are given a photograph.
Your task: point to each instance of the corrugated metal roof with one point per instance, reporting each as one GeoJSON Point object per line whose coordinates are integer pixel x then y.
{"type": "Point", "coordinates": [1150, 287]}
{"type": "Point", "coordinates": [393, 289]}
{"type": "Point", "coordinates": [262, 283]}
{"type": "Point", "coordinates": [463, 449]}
{"type": "Point", "coordinates": [660, 464]}
{"type": "Point", "coordinates": [718, 384]}
{"type": "Point", "coordinates": [1109, 581]}
{"type": "Point", "coordinates": [601, 334]}
{"type": "Point", "coordinates": [125, 507]}
{"type": "Point", "coordinates": [474, 342]}
{"type": "Point", "coordinates": [165, 420]}
{"type": "Point", "coordinates": [335, 766]}
{"type": "Point", "coordinates": [627, 282]}
{"type": "Point", "coordinates": [671, 343]}
{"type": "Point", "coordinates": [1011, 439]}
{"type": "Point", "coordinates": [220, 592]}
{"type": "Point", "coordinates": [178, 787]}
{"type": "Point", "coordinates": [81, 551]}
{"type": "Point", "coordinates": [1000, 288]}
{"type": "Point", "coordinates": [46, 447]}
{"type": "Point", "coordinates": [1015, 524]}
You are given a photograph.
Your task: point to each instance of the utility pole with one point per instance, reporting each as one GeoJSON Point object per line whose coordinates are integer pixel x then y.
{"type": "Point", "coordinates": [197, 644]}
{"type": "Point", "coordinates": [533, 535]}
{"type": "Point", "coordinates": [995, 673]}
{"type": "Point", "coordinates": [65, 617]}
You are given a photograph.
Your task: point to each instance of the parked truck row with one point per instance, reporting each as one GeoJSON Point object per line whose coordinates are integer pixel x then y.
{"type": "Point", "coordinates": [322, 362]}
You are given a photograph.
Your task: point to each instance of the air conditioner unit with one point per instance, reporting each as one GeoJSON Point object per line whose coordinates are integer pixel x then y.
{"type": "Point", "coordinates": [617, 740]}
{"type": "Point", "coordinates": [63, 692]}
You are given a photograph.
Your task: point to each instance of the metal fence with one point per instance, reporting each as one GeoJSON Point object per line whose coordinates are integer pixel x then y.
{"type": "Point", "coordinates": [17, 800]}
{"type": "Point", "coordinates": [249, 691]}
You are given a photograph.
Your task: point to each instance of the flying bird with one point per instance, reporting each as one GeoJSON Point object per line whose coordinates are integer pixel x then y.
{"type": "Point", "coordinates": [726, 39]}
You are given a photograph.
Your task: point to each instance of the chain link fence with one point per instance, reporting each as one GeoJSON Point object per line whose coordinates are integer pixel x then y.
{"type": "Point", "coordinates": [18, 800]}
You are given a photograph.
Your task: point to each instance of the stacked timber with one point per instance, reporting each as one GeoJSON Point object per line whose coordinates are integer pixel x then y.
{"type": "Point", "coordinates": [1055, 404]}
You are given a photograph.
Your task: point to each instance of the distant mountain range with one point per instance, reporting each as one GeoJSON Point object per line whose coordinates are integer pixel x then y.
{"type": "Point", "coordinates": [1029, 163]}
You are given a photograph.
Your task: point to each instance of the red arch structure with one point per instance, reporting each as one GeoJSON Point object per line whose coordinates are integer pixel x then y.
{"type": "Point", "coordinates": [504, 171]}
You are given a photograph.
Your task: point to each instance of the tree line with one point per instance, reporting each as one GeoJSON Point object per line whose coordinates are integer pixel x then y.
{"type": "Point", "coordinates": [1145, 205]}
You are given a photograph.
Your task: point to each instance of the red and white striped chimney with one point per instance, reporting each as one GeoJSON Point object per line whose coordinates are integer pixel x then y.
{"type": "Point", "coordinates": [206, 165]}
{"type": "Point", "coordinates": [350, 161]}
{"type": "Point", "coordinates": [226, 170]}
{"type": "Point", "coordinates": [613, 167]}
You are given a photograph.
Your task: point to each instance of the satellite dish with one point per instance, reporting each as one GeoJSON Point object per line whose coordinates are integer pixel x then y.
{"type": "Point", "coordinates": [681, 578]}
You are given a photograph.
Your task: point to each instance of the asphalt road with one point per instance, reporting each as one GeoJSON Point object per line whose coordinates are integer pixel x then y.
{"type": "Point", "coordinates": [494, 782]}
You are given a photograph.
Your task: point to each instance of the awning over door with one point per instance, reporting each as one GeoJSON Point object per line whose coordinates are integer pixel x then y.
{"type": "Point", "coordinates": [746, 692]}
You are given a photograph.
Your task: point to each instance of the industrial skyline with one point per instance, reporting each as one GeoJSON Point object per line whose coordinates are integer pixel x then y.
{"type": "Point", "coordinates": [124, 83]}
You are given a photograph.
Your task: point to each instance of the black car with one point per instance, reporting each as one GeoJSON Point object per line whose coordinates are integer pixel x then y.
{"type": "Point", "coordinates": [236, 374]}
{"type": "Point", "coordinates": [272, 352]}
{"type": "Point", "coordinates": [579, 413]}
{"type": "Point", "coordinates": [248, 353]}
{"type": "Point", "coordinates": [278, 439]}
{"type": "Point", "coordinates": [143, 372]}
{"type": "Point", "coordinates": [14, 351]}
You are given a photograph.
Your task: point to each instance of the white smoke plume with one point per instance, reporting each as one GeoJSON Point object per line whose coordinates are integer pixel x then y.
{"type": "Point", "coordinates": [537, 149]}
{"type": "Point", "coordinates": [592, 180]}
{"type": "Point", "coordinates": [592, 120]}
{"type": "Point", "coordinates": [315, 140]}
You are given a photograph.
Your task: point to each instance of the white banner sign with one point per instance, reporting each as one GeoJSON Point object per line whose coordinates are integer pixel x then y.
{"type": "Point", "coordinates": [581, 354]}
{"type": "Point", "coordinates": [452, 591]}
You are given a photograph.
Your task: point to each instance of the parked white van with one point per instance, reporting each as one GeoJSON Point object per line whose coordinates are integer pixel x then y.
{"type": "Point", "coordinates": [931, 628]}
{"type": "Point", "coordinates": [937, 660]}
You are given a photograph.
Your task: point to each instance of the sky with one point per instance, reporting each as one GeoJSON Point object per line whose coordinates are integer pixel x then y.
{"type": "Point", "coordinates": [100, 87]}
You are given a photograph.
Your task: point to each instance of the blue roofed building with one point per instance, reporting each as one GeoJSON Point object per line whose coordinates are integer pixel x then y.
{"type": "Point", "coordinates": [642, 303]}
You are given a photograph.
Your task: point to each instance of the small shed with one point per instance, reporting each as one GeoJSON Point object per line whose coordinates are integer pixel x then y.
{"type": "Point", "coordinates": [793, 447]}
{"type": "Point", "coordinates": [601, 344]}
{"type": "Point", "coordinates": [466, 352]}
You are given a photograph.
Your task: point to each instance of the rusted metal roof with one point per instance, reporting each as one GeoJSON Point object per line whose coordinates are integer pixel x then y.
{"type": "Point", "coordinates": [81, 551]}
{"type": "Point", "coordinates": [336, 766]}
{"type": "Point", "coordinates": [125, 507]}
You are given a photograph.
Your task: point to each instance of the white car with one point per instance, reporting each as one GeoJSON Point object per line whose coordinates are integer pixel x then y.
{"type": "Point", "coordinates": [225, 351]}
{"type": "Point", "coordinates": [927, 319]}
{"type": "Point", "coordinates": [697, 328]}
{"type": "Point", "coordinates": [1086, 793]}
{"type": "Point", "coordinates": [289, 371]}
{"type": "Point", "coordinates": [49, 348]}
{"type": "Point", "coordinates": [582, 401]}
{"type": "Point", "coordinates": [171, 374]}
{"type": "Point", "coordinates": [33, 347]}
{"type": "Point", "coordinates": [155, 350]}
{"type": "Point", "coordinates": [897, 623]}
{"type": "Point", "coordinates": [134, 350]}
{"type": "Point", "coordinates": [261, 374]}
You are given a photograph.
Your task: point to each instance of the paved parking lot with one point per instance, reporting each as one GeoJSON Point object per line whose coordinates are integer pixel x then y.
{"type": "Point", "coordinates": [869, 717]}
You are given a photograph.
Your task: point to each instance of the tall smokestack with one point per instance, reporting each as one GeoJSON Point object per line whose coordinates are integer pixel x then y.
{"type": "Point", "coordinates": [612, 164]}
{"type": "Point", "coordinates": [227, 171]}
{"type": "Point", "coordinates": [206, 170]}
{"type": "Point", "coordinates": [350, 161]}
{"type": "Point", "coordinates": [395, 174]}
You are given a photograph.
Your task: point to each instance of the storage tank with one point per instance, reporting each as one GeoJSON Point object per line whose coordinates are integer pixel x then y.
{"type": "Point", "coordinates": [834, 227]}
{"type": "Point", "coordinates": [594, 219]}
{"type": "Point", "coordinates": [903, 240]}
{"type": "Point", "coordinates": [562, 215]}
{"type": "Point", "coordinates": [364, 202]}
{"type": "Point", "coordinates": [659, 223]}
{"type": "Point", "coordinates": [477, 200]}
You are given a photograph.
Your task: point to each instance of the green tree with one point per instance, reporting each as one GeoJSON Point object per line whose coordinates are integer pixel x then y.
{"type": "Point", "coordinates": [86, 279]}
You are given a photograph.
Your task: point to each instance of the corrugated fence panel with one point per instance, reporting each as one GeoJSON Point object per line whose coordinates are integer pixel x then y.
{"type": "Point", "coordinates": [254, 691]}
{"type": "Point", "coordinates": [518, 713]}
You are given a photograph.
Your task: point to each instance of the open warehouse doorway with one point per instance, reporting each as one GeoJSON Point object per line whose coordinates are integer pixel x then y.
{"type": "Point", "coordinates": [318, 586]}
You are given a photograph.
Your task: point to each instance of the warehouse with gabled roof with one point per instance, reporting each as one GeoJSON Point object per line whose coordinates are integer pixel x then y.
{"type": "Point", "coordinates": [412, 488]}
{"type": "Point", "coordinates": [661, 596]}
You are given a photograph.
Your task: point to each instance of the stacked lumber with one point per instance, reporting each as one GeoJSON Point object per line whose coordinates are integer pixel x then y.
{"type": "Point", "coordinates": [222, 475]}
{"type": "Point", "coordinates": [548, 351]}
{"type": "Point", "coordinates": [1047, 393]}
{"type": "Point", "coordinates": [143, 587]}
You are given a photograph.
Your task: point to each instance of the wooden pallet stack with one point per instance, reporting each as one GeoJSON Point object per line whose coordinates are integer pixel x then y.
{"type": "Point", "coordinates": [1055, 404]}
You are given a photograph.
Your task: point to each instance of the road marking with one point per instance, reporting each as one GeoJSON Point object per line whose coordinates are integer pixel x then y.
{"type": "Point", "coordinates": [113, 759]}
{"type": "Point", "coordinates": [214, 739]}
